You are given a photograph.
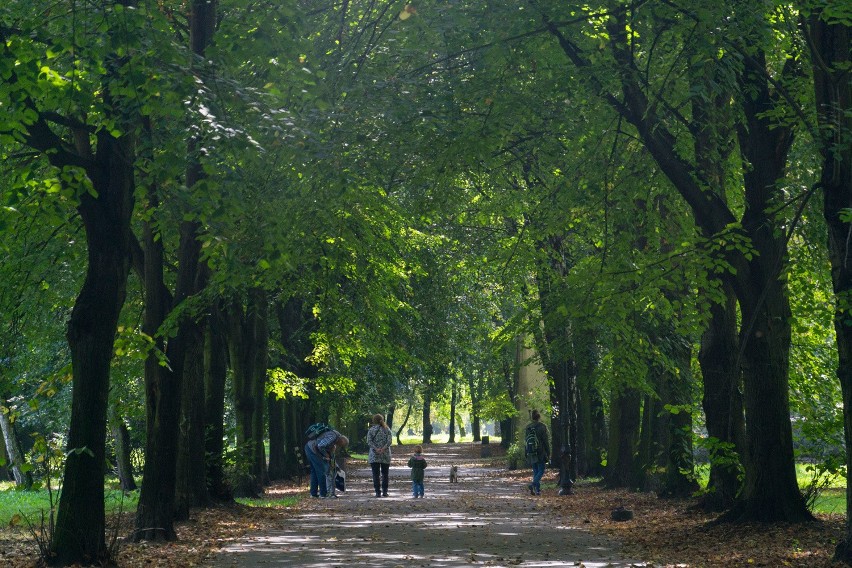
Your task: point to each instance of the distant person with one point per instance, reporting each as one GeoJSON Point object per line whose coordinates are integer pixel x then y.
{"type": "Point", "coordinates": [537, 450]}
{"type": "Point", "coordinates": [379, 440]}
{"type": "Point", "coordinates": [417, 463]}
{"type": "Point", "coordinates": [319, 451]}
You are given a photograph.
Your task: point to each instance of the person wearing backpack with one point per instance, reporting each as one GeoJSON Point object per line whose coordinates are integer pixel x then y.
{"type": "Point", "coordinates": [322, 443]}
{"type": "Point", "coordinates": [537, 450]}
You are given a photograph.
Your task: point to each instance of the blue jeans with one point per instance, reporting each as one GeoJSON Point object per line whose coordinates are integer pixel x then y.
{"type": "Point", "coordinates": [538, 473]}
{"type": "Point", "coordinates": [319, 469]}
{"type": "Point", "coordinates": [417, 488]}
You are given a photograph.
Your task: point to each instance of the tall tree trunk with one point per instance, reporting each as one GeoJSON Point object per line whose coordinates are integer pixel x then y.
{"type": "Point", "coordinates": [510, 366]}
{"type": "Point", "coordinates": [474, 383]}
{"type": "Point", "coordinates": [679, 481]}
{"type": "Point", "coordinates": [623, 434]}
{"type": "Point", "coordinates": [191, 486]}
{"type": "Point", "coordinates": [427, 415]}
{"type": "Point", "coordinates": [155, 511]}
{"type": "Point", "coordinates": [830, 55]}
{"type": "Point", "coordinates": [452, 437]}
{"type": "Point", "coordinates": [277, 441]}
{"type": "Point", "coordinates": [261, 304]}
{"type": "Point", "coordinates": [191, 474]}
{"type": "Point", "coordinates": [295, 323]}
{"type": "Point", "coordinates": [718, 355]}
{"type": "Point", "coordinates": [243, 347]}
{"type": "Point", "coordinates": [389, 416]}
{"type": "Point", "coordinates": [591, 420]}
{"type": "Point", "coordinates": [215, 371]}
{"type": "Point", "coordinates": [79, 533]}
{"type": "Point", "coordinates": [770, 491]}
{"type": "Point", "coordinates": [121, 438]}
{"type": "Point", "coordinates": [723, 404]}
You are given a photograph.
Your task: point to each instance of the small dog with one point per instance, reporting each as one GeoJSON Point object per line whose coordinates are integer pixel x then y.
{"type": "Point", "coordinates": [454, 474]}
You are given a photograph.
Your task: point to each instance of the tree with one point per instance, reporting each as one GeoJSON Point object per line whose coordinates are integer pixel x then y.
{"type": "Point", "coordinates": [827, 32]}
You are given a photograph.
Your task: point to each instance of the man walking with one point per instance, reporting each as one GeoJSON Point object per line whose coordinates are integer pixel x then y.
{"type": "Point", "coordinates": [537, 450]}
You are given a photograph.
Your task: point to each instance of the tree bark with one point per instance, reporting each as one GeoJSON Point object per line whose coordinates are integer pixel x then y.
{"type": "Point", "coordinates": [830, 56]}
{"type": "Point", "coordinates": [623, 433]}
{"type": "Point", "coordinates": [191, 473]}
{"type": "Point", "coordinates": [723, 404]}
{"type": "Point", "coordinates": [155, 511]}
{"type": "Point", "coordinates": [79, 533]}
{"type": "Point", "coordinates": [261, 303]}
{"type": "Point", "coordinates": [215, 371]}
{"type": "Point", "coordinates": [452, 437]}
{"type": "Point", "coordinates": [277, 442]}
{"type": "Point", "coordinates": [12, 447]}
{"type": "Point", "coordinates": [121, 437]}
{"type": "Point", "coordinates": [474, 383]}
{"type": "Point", "coordinates": [5, 460]}
{"type": "Point", "coordinates": [427, 415]}
{"type": "Point", "coordinates": [243, 339]}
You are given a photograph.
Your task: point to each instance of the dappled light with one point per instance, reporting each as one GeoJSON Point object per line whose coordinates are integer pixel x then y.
{"type": "Point", "coordinates": [482, 519]}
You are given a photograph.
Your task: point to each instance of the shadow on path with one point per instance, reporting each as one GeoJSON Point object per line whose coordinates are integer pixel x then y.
{"type": "Point", "coordinates": [482, 520]}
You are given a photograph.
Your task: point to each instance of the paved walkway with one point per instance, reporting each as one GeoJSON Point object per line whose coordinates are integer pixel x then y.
{"type": "Point", "coordinates": [480, 521]}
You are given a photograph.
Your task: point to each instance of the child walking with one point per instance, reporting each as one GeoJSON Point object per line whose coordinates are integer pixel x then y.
{"type": "Point", "coordinates": [417, 464]}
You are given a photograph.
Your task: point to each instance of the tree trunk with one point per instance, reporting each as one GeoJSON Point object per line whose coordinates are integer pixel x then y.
{"type": "Point", "coordinates": [12, 446]}
{"type": "Point", "coordinates": [770, 491]}
{"type": "Point", "coordinates": [591, 420]}
{"type": "Point", "coordinates": [191, 475]}
{"type": "Point", "coordinates": [404, 423]}
{"type": "Point", "coordinates": [717, 357]}
{"type": "Point", "coordinates": [723, 404]}
{"type": "Point", "coordinates": [261, 306]}
{"type": "Point", "coordinates": [831, 60]}
{"type": "Point", "coordinates": [510, 381]}
{"type": "Point", "coordinates": [155, 511]}
{"type": "Point", "coordinates": [679, 481]}
{"type": "Point", "coordinates": [452, 437]}
{"type": "Point", "coordinates": [5, 459]}
{"type": "Point", "coordinates": [79, 533]}
{"type": "Point", "coordinates": [427, 416]}
{"type": "Point", "coordinates": [191, 485]}
{"type": "Point", "coordinates": [215, 371]}
{"type": "Point", "coordinates": [277, 442]}
{"type": "Point", "coordinates": [121, 437]}
{"type": "Point", "coordinates": [295, 324]}
{"type": "Point", "coordinates": [623, 433]}
{"type": "Point", "coordinates": [474, 383]}
{"type": "Point", "coordinates": [389, 416]}
{"type": "Point", "coordinates": [243, 344]}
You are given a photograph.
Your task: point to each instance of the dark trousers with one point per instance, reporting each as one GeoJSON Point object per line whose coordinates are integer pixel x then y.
{"type": "Point", "coordinates": [383, 468]}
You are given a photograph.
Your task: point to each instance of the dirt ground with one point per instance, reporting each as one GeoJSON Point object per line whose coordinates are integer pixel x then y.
{"type": "Point", "coordinates": [483, 520]}
{"type": "Point", "coordinates": [487, 519]}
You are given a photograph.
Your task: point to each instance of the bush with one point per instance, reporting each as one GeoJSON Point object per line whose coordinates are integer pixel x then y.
{"type": "Point", "coordinates": [514, 456]}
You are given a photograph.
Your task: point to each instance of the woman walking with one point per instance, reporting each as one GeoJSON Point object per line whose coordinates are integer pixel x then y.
{"type": "Point", "coordinates": [379, 439]}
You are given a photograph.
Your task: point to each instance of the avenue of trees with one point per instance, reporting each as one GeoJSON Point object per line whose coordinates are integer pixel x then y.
{"type": "Point", "coordinates": [224, 220]}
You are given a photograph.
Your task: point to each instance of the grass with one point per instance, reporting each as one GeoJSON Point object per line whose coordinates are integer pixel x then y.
{"type": "Point", "coordinates": [282, 502]}
{"type": "Point", "coordinates": [15, 504]}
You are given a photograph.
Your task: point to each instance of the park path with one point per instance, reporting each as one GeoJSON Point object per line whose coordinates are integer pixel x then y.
{"type": "Point", "coordinates": [483, 520]}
